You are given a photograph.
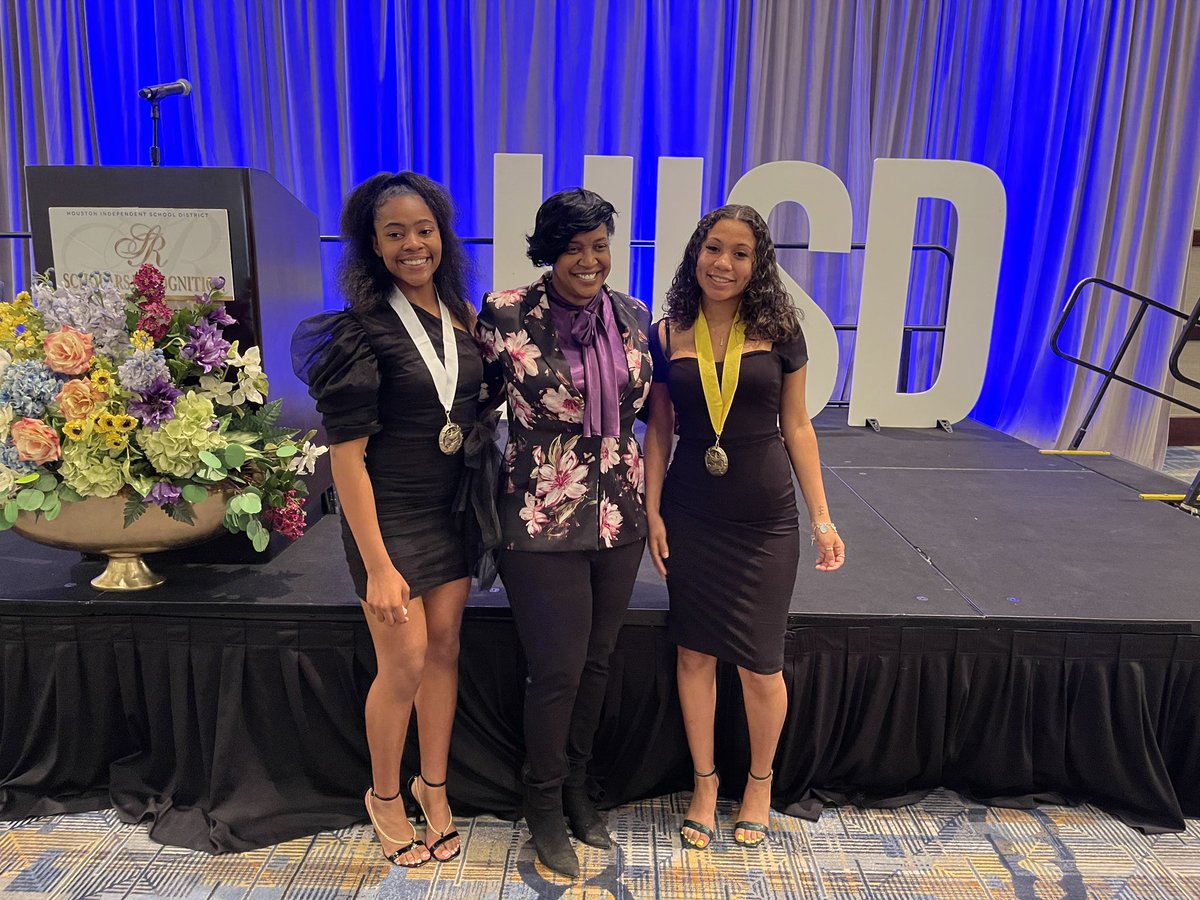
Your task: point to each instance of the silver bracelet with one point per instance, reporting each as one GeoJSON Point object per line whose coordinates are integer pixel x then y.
{"type": "Point", "coordinates": [822, 528]}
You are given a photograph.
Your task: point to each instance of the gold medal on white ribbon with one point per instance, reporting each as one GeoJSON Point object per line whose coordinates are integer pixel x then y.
{"type": "Point", "coordinates": [444, 372]}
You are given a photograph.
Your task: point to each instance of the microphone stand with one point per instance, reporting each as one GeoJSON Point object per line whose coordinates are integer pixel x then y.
{"type": "Point", "coordinates": [155, 153]}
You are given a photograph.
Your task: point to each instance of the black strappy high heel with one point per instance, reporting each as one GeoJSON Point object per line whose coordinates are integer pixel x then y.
{"type": "Point", "coordinates": [692, 824]}
{"type": "Point", "coordinates": [394, 856]}
{"type": "Point", "coordinates": [445, 835]}
{"type": "Point", "coordinates": [762, 829]}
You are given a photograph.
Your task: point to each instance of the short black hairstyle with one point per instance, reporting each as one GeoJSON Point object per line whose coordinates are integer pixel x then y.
{"type": "Point", "coordinates": [363, 277]}
{"type": "Point", "coordinates": [561, 217]}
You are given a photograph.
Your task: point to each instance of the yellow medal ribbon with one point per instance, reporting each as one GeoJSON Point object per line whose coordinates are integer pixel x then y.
{"type": "Point", "coordinates": [718, 394]}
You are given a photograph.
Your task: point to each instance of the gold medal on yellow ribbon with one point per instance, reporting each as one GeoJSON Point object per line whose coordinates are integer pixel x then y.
{"type": "Point", "coordinates": [718, 394]}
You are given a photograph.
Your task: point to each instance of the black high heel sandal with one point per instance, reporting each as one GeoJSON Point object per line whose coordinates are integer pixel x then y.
{"type": "Point", "coordinates": [394, 856]}
{"type": "Point", "coordinates": [709, 833]}
{"type": "Point", "coordinates": [445, 835]}
{"type": "Point", "coordinates": [762, 829]}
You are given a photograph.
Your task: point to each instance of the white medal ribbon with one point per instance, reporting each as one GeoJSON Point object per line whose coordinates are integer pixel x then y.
{"type": "Point", "coordinates": [444, 374]}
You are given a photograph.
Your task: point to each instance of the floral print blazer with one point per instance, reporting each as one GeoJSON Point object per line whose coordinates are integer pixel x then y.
{"type": "Point", "coordinates": [560, 490]}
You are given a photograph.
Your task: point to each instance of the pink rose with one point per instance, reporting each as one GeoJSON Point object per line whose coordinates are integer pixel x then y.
{"type": "Point", "coordinates": [68, 351]}
{"type": "Point", "coordinates": [35, 441]}
{"type": "Point", "coordinates": [79, 398]}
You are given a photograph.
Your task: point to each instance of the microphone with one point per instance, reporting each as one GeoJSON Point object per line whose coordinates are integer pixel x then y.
{"type": "Point", "coordinates": [183, 87]}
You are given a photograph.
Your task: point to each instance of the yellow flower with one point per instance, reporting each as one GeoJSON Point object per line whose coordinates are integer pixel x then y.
{"type": "Point", "coordinates": [126, 423]}
{"type": "Point", "coordinates": [76, 429]}
{"type": "Point", "coordinates": [106, 423]}
{"type": "Point", "coordinates": [102, 378]}
{"type": "Point", "coordinates": [116, 441]}
{"type": "Point", "coordinates": [22, 299]}
{"type": "Point", "coordinates": [142, 340]}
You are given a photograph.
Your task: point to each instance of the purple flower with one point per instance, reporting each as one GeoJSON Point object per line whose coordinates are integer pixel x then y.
{"type": "Point", "coordinates": [157, 403]}
{"type": "Point", "coordinates": [216, 282]}
{"type": "Point", "coordinates": [207, 348]}
{"type": "Point", "coordinates": [163, 494]}
{"type": "Point", "coordinates": [220, 317]}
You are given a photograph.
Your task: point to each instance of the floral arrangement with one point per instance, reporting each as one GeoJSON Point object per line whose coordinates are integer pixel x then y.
{"type": "Point", "coordinates": [103, 395]}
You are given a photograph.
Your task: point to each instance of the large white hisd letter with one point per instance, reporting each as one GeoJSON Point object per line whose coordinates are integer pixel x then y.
{"type": "Point", "coordinates": [897, 184]}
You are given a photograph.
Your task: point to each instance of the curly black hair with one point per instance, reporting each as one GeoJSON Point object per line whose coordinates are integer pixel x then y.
{"type": "Point", "coordinates": [766, 307]}
{"type": "Point", "coordinates": [364, 279]}
{"type": "Point", "coordinates": [561, 217]}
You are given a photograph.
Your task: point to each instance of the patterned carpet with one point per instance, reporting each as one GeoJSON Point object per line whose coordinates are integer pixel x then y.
{"type": "Point", "coordinates": [940, 848]}
{"type": "Point", "coordinates": [1181, 463]}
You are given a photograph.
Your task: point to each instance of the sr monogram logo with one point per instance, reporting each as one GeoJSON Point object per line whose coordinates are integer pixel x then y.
{"type": "Point", "coordinates": [141, 245]}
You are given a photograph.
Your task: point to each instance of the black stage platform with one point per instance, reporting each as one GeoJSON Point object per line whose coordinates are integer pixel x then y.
{"type": "Point", "coordinates": [1015, 626]}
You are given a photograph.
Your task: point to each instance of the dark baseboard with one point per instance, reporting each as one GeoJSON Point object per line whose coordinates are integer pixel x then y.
{"type": "Point", "coordinates": [1184, 431]}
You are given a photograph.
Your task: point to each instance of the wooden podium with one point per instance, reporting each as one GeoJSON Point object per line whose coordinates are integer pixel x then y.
{"type": "Point", "coordinates": [275, 250]}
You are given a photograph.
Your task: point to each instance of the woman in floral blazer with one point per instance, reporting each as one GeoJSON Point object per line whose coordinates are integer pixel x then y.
{"type": "Point", "coordinates": [570, 357]}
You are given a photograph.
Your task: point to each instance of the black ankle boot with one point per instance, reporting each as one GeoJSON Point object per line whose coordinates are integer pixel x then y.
{"type": "Point", "coordinates": [586, 823]}
{"type": "Point", "coordinates": [544, 815]}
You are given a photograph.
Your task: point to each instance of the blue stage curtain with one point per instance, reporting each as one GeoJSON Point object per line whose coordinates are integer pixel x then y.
{"type": "Point", "coordinates": [1087, 110]}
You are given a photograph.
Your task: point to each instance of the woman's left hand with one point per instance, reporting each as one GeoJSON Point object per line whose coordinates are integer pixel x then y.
{"type": "Point", "coordinates": [832, 551]}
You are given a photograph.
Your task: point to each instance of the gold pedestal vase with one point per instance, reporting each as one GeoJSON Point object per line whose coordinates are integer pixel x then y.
{"type": "Point", "coordinates": [96, 525]}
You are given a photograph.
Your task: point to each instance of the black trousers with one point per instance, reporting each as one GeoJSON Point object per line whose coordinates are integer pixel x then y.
{"type": "Point", "coordinates": [568, 607]}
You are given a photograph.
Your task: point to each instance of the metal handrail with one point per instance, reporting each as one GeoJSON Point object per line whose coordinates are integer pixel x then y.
{"type": "Point", "coordinates": [909, 330]}
{"type": "Point", "coordinates": [1191, 500]}
{"type": "Point", "coordinates": [1180, 343]}
{"type": "Point", "coordinates": [644, 242]}
{"type": "Point", "coordinates": [1110, 374]}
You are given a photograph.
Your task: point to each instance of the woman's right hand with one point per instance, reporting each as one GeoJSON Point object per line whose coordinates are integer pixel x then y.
{"type": "Point", "coordinates": [656, 540]}
{"type": "Point", "coordinates": [387, 595]}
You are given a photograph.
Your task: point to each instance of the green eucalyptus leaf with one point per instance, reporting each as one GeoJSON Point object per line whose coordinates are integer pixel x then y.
{"type": "Point", "coordinates": [30, 499]}
{"type": "Point", "coordinates": [235, 456]}
{"type": "Point", "coordinates": [195, 493]}
{"type": "Point", "coordinates": [210, 459]}
{"type": "Point", "coordinates": [260, 541]}
{"type": "Point", "coordinates": [11, 510]}
{"type": "Point", "coordinates": [28, 478]}
{"type": "Point", "coordinates": [49, 501]}
{"type": "Point", "coordinates": [286, 450]}
{"type": "Point", "coordinates": [52, 513]}
{"type": "Point", "coordinates": [251, 503]}
{"type": "Point", "coordinates": [46, 483]}
{"type": "Point", "coordinates": [5, 524]}
{"type": "Point", "coordinates": [68, 494]}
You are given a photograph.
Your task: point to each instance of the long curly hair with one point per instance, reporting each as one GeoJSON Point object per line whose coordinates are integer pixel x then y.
{"type": "Point", "coordinates": [766, 307]}
{"type": "Point", "coordinates": [364, 279]}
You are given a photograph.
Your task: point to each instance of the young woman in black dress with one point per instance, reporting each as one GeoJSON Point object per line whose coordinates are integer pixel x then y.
{"type": "Point", "coordinates": [729, 374]}
{"type": "Point", "coordinates": [396, 377]}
